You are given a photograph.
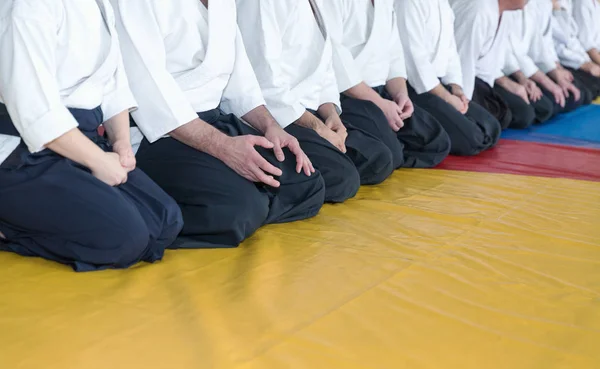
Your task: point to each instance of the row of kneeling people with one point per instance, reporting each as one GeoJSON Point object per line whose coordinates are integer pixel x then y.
{"type": "Point", "coordinates": [255, 111]}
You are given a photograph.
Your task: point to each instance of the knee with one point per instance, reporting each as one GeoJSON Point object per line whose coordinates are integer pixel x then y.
{"type": "Point", "coordinates": [125, 242]}
{"type": "Point", "coordinates": [442, 145]}
{"type": "Point", "coordinates": [246, 213]}
{"type": "Point", "coordinates": [544, 109]}
{"type": "Point", "coordinates": [341, 183]}
{"type": "Point", "coordinates": [172, 222]}
{"type": "Point", "coordinates": [523, 117]}
{"type": "Point", "coordinates": [382, 166]}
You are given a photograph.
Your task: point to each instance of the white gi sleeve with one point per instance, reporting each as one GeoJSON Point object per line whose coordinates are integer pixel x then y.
{"type": "Point", "coordinates": [347, 72]}
{"type": "Point", "coordinates": [470, 37]}
{"type": "Point", "coordinates": [589, 27]}
{"type": "Point", "coordinates": [454, 71]}
{"type": "Point", "coordinates": [261, 26]}
{"type": "Point", "coordinates": [117, 94]}
{"type": "Point", "coordinates": [411, 24]}
{"type": "Point", "coordinates": [242, 93]}
{"type": "Point", "coordinates": [543, 50]}
{"type": "Point", "coordinates": [162, 104]}
{"type": "Point", "coordinates": [28, 85]}
{"type": "Point", "coordinates": [397, 63]}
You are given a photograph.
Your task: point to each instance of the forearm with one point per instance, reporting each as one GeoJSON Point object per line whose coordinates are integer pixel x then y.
{"type": "Point", "coordinates": [75, 146]}
{"type": "Point", "coordinates": [543, 80]}
{"type": "Point", "coordinates": [363, 92]}
{"type": "Point", "coordinates": [260, 118]}
{"type": "Point", "coordinates": [520, 77]}
{"type": "Point", "coordinates": [441, 92]}
{"type": "Point", "coordinates": [396, 86]}
{"type": "Point", "coordinates": [594, 55]}
{"type": "Point", "coordinates": [308, 120]}
{"type": "Point", "coordinates": [327, 110]}
{"type": "Point", "coordinates": [506, 83]}
{"type": "Point", "coordinates": [117, 128]}
{"type": "Point", "coordinates": [201, 136]}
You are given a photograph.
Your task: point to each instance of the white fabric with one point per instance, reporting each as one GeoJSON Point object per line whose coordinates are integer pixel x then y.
{"type": "Point", "coordinates": [565, 30]}
{"type": "Point", "coordinates": [366, 42]}
{"type": "Point", "coordinates": [587, 15]}
{"type": "Point", "coordinates": [545, 53]}
{"type": "Point", "coordinates": [183, 58]}
{"type": "Point", "coordinates": [523, 34]}
{"type": "Point", "coordinates": [291, 54]}
{"type": "Point", "coordinates": [54, 55]}
{"type": "Point", "coordinates": [8, 144]}
{"type": "Point", "coordinates": [481, 38]}
{"type": "Point", "coordinates": [427, 33]}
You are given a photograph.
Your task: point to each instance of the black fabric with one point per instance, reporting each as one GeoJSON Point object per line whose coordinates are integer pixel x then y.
{"type": "Point", "coordinates": [469, 133]}
{"type": "Point", "coordinates": [490, 100]}
{"type": "Point", "coordinates": [587, 96]}
{"type": "Point", "coordinates": [425, 142]}
{"type": "Point", "coordinates": [570, 104]}
{"type": "Point", "coordinates": [523, 114]}
{"type": "Point", "coordinates": [591, 83]}
{"type": "Point", "coordinates": [56, 209]}
{"type": "Point", "coordinates": [220, 208]}
{"type": "Point", "coordinates": [341, 176]}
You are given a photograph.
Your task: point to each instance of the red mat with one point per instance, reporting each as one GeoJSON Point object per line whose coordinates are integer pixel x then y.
{"type": "Point", "coordinates": [532, 159]}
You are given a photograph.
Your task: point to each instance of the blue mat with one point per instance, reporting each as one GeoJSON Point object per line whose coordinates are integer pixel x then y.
{"type": "Point", "coordinates": [578, 128]}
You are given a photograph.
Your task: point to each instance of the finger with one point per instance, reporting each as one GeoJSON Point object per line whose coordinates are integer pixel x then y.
{"type": "Point", "coordinates": [400, 123]}
{"type": "Point", "coordinates": [278, 152]}
{"type": "Point", "coordinates": [300, 157]}
{"type": "Point", "coordinates": [261, 141]}
{"type": "Point", "coordinates": [264, 178]}
{"type": "Point", "coordinates": [265, 166]}
{"type": "Point", "coordinates": [307, 166]}
{"type": "Point", "coordinates": [310, 164]}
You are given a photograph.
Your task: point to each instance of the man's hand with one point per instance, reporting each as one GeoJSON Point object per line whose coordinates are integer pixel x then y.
{"type": "Point", "coordinates": [126, 155]}
{"type": "Point", "coordinates": [334, 123]}
{"type": "Point", "coordinates": [517, 89]}
{"type": "Point", "coordinates": [280, 139]}
{"type": "Point", "coordinates": [533, 91]}
{"type": "Point", "coordinates": [405, 105]}
{"type": "Point", "coordinates": [331, 136]}
{"type": "Point", "coordinates": [558, 94]}
{"type": "Point", "coordinates": [591, 68]}
{"type": "Point", "coordinates": [564, 79]}
{"type": "Point", "coordinates": [239, 153]}
{"type": "Point", "coordinates": [392, 112]}
{"type": "Point", "coordinates": [108, 169]}
{"type": "Point", "coordinates": [459, 93]}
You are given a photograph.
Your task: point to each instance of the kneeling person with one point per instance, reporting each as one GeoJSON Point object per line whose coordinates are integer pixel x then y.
{"type": "Point", "coordinates": [292, 55]}
{"type": "Point", "coordinates": [435, 75]}
{"type": "Point", "coordinates": [68, 194]}
{"type": "Point", "coordinates": [371, 74]}
{"type": "Point", "coordinates": [190, 74]}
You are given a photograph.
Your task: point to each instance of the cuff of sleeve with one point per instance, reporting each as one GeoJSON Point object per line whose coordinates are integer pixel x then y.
{"type": "Point", "coordinates": [286, 115]}
{"type": "Point", "coordinates": [48, 128]}
{"type": "Point", "coordinates": [117, 102]}
{"type": "Point", "coordinates": [547, 67]}
{"type": "Point", "coordinates": [347, 82]}
{"type": "Point", "coordinates": [242, 106]}
{"type": "Point", "coordinates": [529, 68]}
{"type": "Point", "coordinates": [453, 80]}
{"type": "Point", "coordinates": [425, 84]}
{"type": "Point", "coordinates": [154, 128]}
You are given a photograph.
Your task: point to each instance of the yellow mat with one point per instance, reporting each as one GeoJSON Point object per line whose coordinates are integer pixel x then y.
{"type": "Point", "coordinates": [432, 270]}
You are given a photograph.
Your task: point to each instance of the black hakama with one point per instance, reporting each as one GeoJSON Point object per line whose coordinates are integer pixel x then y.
{"type": "Point", "coordinates": [421, 143]}
{"type": "Point", "coordinates": [56, 209]}
{"type": "Point", "coordinates": [221, 208]}
{"type": "Point", "coordinates": [470, 133]}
